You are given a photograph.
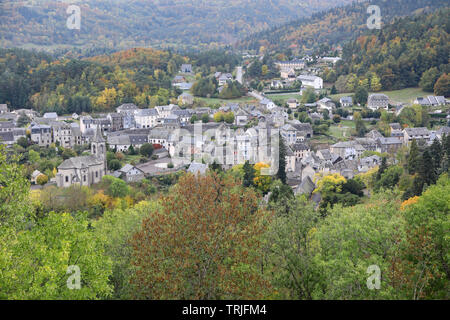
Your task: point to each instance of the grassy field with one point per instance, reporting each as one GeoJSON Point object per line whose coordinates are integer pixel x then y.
{"type": "Point", "coordinates": [245, 99]}
{"type": "Point", "coordinates": [342, 130]}
{"type": "Point", "coordinates": [407, 95]}
{"type": "Point", "coordinates": [284, 97]}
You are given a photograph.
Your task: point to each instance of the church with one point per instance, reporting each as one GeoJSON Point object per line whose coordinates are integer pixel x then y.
{"type": "Point", "coordinates": [84, 170]}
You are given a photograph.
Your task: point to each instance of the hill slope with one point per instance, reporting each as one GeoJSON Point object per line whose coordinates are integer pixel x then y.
{"type": "Point", "coordinates": [125, 23]}
{"type": "Point", "coordinates": [334, 26]}
{"type": "Point", "coordinates": [399, 54]}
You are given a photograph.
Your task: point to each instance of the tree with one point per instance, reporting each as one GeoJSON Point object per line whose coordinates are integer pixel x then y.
{"type": "Point", "coordinates": [429, 79]}
{"type": "Point", "coordinates": [426, 169]}
{"type": "Point", "coordinates": [280, 196]}
{"type": "Point", "coordinates": [146, 150]}
{"type": "Point", "coordinates": [42, 179]}
{"type": "Point", "coordinates": [281, 174]}
{"type": "Point", "coordinates": [229, 117]}
{"type": "Point", "coordinates": [107, 99]}
{"type": "Point", "coordinates": [260, 87]}
{"type": "Point", "coordinates": [68, 153]}
{"type": "Point", "coordinates": [194, 118]}
{"type": "Point", "coordinates": [375, 83]}
{"type": "Point", "coordinates": [218, 116]}
{"type": "Point", "coordinates": [413, 158]}
{"type": "Point", "coordinates": [437, 155]}
{"type": "Point", "coordinates": [426, 272]}
{"type": "Point", "coordinates": [33, 156]}
{"type": "Point", "coordinates": [35, 263]}
{"type": "Point", "coordinates": [205, 118]}
{"type": "Point", "coordinates": [15, 204]}
{"type": "Point", "coordinates": [23, 120]}
{"type": "Point", "coordinates": [249, 174]}
{"type": "Point", "coordinates": [114, 165]}
{"type": "Point", "coordinates": [361, 95]}
{"type": "Point", "coordinates": [442, 86]}
{"type": "Point", "coordinates": [309, 96]}
{"type": "Point", "coordinates": [116, 228]}
{"type": "Point", "coordinates": [352, 239]}
{"type": "Point", "coordinates": [264, 70]}
{"type": "Point", "coordinates": [389, 178]}
{"type": "Point", "coordinates": [23, 142]}
{"type": "Point", "coordinates": [333, 90]}
{"type": "Point", "coordinates": [360, 126]}
{"type": "Point", "coordinates": [292, 247]}
{"type": "Point", "coordinates": [202, 244]}
{"type": "Point", "coordinates": [382, 168]}
{"type": "Point", "coordinates": [115, 187]}
{"type": "Point", "coordinates": [262, 180]}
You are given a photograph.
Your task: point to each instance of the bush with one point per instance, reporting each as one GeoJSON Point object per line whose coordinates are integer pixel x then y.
{"type": "Point", "coordinates": [41, 179]}
{"type": "Point", "coordinates": [146, 150]}
{"type": "Point", "coordinates": [114, 165]}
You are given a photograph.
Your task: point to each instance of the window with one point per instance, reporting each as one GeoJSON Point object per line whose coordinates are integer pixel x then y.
{"type": "Point", "coordinates": [67, 178]}
{"type": "Point", "coordinates": [84, 178]}
{"type": "Point", "coordinates": [96, 174]}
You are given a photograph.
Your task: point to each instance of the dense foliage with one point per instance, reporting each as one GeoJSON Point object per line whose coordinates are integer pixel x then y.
{"type": "Point", "coordinates": [409, 52]}
{"type": "Point", "coordinates": [141, 76]}
{"type": "Point", "coordinates": [184, 23]}
{"type": "Point", "coordinates": [327, 29]}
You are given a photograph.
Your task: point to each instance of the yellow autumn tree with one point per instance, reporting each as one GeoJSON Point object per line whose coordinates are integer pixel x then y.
{"type": "Point", "coordinates": [330, 183]}
{"type": "Point", "coordinates": [262, 182]}
{"type": "Point", "coordinates": [107, 99]}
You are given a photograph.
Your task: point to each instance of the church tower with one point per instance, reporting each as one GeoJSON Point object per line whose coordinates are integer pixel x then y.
{"type": "Point", "coordinates": [98, 146]}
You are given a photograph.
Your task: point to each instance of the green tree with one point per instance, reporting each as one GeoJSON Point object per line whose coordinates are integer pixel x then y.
{"type": "Point", "coordinates": [249, 174]}
{"type": "Point", "coordinates": [116, 228]}
{"type": "Point", "coordinates": [413, 158]}
{"type": "Point", "coordinates": [205, 118]}
{"type": "Point", "coordinates": [354, 238]}
{"type": "Point", "coordinates": [114, 165]}
{"type": "Point", "coordinates": [425, 273]}
{"type": "Point", "coordinates": [360, 126]}
{"type": "Point", "coordinates": [361, 95]}
{"type": "Point", "coordinates": [428, 79]}
{"type": "Point", "coordinates": [146, 150]}
{"type": "Point", "coordinates": [15, 205]}
{"type": "Point", "coordinates": [281, 173]}
{"type": "Point", "coordinates": [33, 156]}
{"type": "Point", "coordinates": [292, 248]}
{"type": "Point", "coordinates": [35, 262]}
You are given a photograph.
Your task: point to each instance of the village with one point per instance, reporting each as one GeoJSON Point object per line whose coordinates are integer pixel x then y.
{"type": "Point", "coordinates": [309, 151]}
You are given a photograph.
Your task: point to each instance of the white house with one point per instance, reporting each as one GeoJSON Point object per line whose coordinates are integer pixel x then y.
{"type": "Point", "coordinates": [146, 118]}
{"type": "Point", "coordinates": [311, 81]}
{"type": "Point", "coordinates": [346, 101]}
{"type": "Point", "coordinates": [267, 104]}
{"type": "Point", "coordinates": [378, 101]}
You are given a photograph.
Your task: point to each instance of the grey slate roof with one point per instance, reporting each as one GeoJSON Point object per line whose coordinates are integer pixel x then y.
{"type": "Point", "coordinates": [147, 112]}
{"type": "Point", "coordinates": [197, 168]}
{"type": "Point", "coordinates": [80, 162]}
{"type": "Point", "coordinates": [6, 136]}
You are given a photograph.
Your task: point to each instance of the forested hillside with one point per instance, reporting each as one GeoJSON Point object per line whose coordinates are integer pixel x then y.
{"type": "Point", "coordinates": [37, 80]}
{"type": "Point", "coordinates": [139, 23]}
{"type": "Point", "coordinates": [334, 26]}
{"type": "Point", "coordinates": [410, 52]}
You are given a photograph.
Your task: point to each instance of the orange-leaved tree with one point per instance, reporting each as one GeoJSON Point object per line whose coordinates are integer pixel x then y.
{"type": "Point", "coordinates": [204, 243]}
